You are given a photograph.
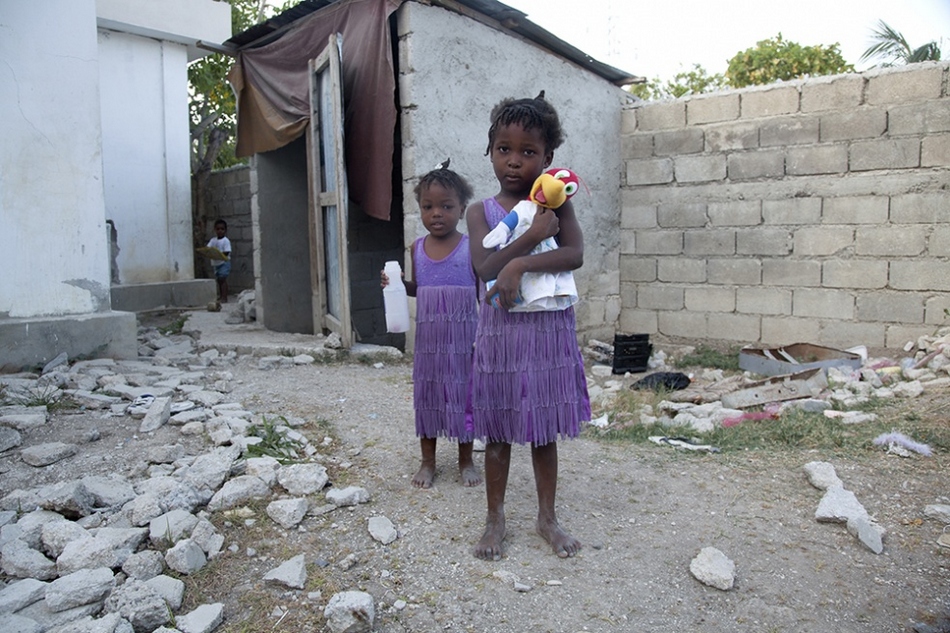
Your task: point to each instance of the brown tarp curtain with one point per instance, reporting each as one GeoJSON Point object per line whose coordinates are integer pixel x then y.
{"type": "Point", "coordinates": [273, 93]}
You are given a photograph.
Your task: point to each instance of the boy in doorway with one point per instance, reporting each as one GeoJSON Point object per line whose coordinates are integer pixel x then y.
{"type": "Point", "coordinates": [222, 268]}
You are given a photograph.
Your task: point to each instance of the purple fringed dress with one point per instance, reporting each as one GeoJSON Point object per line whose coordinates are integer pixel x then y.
{"type": "Point", "coordinates": [446, 317]}
{"type": "Point", "coordinates": [528, 382]}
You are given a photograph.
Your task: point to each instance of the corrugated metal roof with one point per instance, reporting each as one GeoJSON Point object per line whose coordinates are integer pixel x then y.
{"type": "Point", "coordinates": [507, 17]}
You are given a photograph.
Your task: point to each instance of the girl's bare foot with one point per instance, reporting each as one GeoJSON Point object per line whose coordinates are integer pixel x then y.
{"type": "Point", "coordinates": [423, 478]}
{"type": "Point", "coordinates": [490, 545]}
{"type": "Point", "coordinates": [563, 544]}
{"type": "Point", "coordinates": [469, 474]}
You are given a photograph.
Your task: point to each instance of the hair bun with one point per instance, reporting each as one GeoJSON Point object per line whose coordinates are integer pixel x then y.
{"type": "Point", "coordinates": [444, 164]}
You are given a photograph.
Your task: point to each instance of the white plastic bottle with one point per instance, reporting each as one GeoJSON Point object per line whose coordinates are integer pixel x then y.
{"type": "Point", "coordinates": [395, 299]}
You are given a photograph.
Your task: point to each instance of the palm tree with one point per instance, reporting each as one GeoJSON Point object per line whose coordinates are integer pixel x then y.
{"type": "Point", "coordinates": [894, 49]}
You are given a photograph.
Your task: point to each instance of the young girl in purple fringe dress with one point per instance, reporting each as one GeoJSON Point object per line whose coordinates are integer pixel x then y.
{"type": "Point", "coordinates": [528, 382]}
{"type": "Point", "coordinates": [444, 285]}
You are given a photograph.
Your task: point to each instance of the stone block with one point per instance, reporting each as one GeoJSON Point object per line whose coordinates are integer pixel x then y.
{"type": "Point", "coordinates": [820, 303]}
{"type": "Point", "coordinates": [938, 243]}
{"type": "Point", "coordinates": [628, 243]}
{"type": "Point", "coordinates": [791, 273]}
{"type": "Point", "coordinates": [710, 299]}
{"type": "Point", "coordinates": [885, 154]}
{"type": "Point", "coordinates": [637, 269]}
{"type": "Point", "coordinates": [659, 242]}
{"type": "Point", "coordinates": [735, 213]}
{"type": "Point", "coordinates": [769, 242]}
{"type": "Point", "coordinates": [784, 330]}
{"type": "Point", "coordinates": [792, 211]}
{"type": "Point", "coordinates": [633, 146]}
{"type": "Point", "coordinates": [734, 327]}
{"type": "Point", "coordinates": [771, 301]}
{"type": "Point", "coordinates": [861, 123]}
{"type": "Point", "coordinates": [703, 109]}
{"type": "Point", "coordinates": [928, 117]}
{"type": "Point", "coordinates": [936, 309]}
{"type": "Point", "coordinates": [731, 136]}
{"type": "Point", "coordinates": [636, 216]}
{"type": "Point", "coordinates": [838, 92]}
{"type": "Point", "coordinates": [628, 120]}
{"type": "Point", "coordinates": [661, 116]}
{"type": "Point", "coordinates": [854, 273]}
{"type": "Point", "coordinates": [890, 307]}
{"type": "Point", "coordinates": [916, 82]}
{"type": "Point", "coordinates": [734, 272]}
{"type": "Point", "coordinates": [772, 101]}
{"type": "Point", "coordinates": [756, 164]}
{"type": "Point", "coordinates": [798, 130]}
{"type": "Point", "coordinates": [677, 142]}
{"type": "Point", "coordinates": [710, 242]}
{"type": "Point", "coordinates": [816, 159]}
{"type": "Point", "coordinates": [685, 324]}
{"type": "Point", "coordinates": [699, 168]}
{"type": "Point", "coordinates": [681, 270]}
{"type": "Point", "coordinates": [925, 208]}
{"type": "Point", "coordinates": [681, 215]}
{"type": "Point", "coordinates": [822, 241]}
{"type": "Point", "coordinates": [642, 321]}
{"type": "Point", "coordinates": [655, 297]}
{"type": "Point", "coordinates": [935, 150]}
{"type": "Point", "coordinates": [891, 241]}
{"type": "Point", "coordinates": [897, 335]}
{"type": "Point", "coordinates": [855, 210]}
{"type": "Point", "coordinates": [843, 334]}
{"type": "Point", "coordinates": [649, 171]}
{"type": "Point", "coordinates": [920, 275]}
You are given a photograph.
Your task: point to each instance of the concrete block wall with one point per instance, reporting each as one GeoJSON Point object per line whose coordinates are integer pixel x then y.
{"type": "Point", "coordinates": [229, 198]}
{"type": "Point", "coordinates": [810, 211]}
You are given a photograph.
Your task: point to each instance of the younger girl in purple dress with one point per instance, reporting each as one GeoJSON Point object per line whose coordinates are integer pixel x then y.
{"type": "Point", "coordinates": [528, 383]}
{"type": "Point", "coordinates": [443, 283]}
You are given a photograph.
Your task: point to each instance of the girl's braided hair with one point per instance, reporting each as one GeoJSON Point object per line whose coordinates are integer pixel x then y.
{"type": "Point", "coordinates": [448, 179]}
{"type": "Point", "coordinates": [529, 114]}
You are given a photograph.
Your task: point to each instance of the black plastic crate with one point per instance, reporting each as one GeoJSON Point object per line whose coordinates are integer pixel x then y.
{"type": "Point", "coordinates": [631, 353]}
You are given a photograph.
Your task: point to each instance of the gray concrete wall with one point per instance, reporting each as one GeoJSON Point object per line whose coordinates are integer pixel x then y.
{"type": "Point", "coordinates": [452, 71]}
{"type": "Point", "coordinates": [810, 211]}
{"type": "Point", "coordinates": [229, 198]}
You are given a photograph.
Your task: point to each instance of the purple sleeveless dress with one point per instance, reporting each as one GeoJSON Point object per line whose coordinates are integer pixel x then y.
{"type": "Point", "coordinates": [446, 316]}
{"type": "Point", "coordinates": [528, 382]}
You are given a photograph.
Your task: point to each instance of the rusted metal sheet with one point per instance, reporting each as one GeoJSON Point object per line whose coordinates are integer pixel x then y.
{"type": "Point", "coordinates": [774, 361]}
{"type": "Point", "coordinates": [805, 384]}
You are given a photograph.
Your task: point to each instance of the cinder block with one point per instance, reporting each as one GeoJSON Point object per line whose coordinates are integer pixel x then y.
{"type": "Point", "coordinates": [899, 335]}
{"type": "Point", "coordinates": [734, 272]}
{"type": "Point", "coordinates": [817, 241]}
{"type": "Point", "coordinates": [885, 154]}
{"type": "Point", "coordinates": [925, 208]}
{"type": "Point", "coordinates": [756, 164]}
{"type": "Point", "coordinates": [854, 273]}
{"type": "Point", "coordinates": [639, 321]}
{"type": "Point", "coordinates": [628, 243]}
{"type": "Point", "coordinates": [840, 92]}
{"type": "Point", "coordinates": [731, 136]}
{"type": "Point", "coordinates": [890, 241]}
{"type": "Point", "coordinates": [762, 241]}
{"type": "Point", "coordinates": [655, 297]}
{"type": "Point", "coordinates": [820, 303]}
{"type": "Point", "coordinates": [712, 108]}
{"type": "Point", "coordinates": [936, 309]}
{"type": "Point", "coordinates": [652, 242]}
{"type": "Point", "coordinates": [938, 243]}
{"type": "Point", "coordinates": [735, 213]}
{"type": "Point", "coordinates": [909, 83]}
{"type": "Point", "coordinates": [710, 299]}
{"type": "Point", "coordinates": [684, 324]}
{"type": "Point", "coordinates": [792, 211]}
{"type": "Point", "coordinates": [798, 130]}
{"type": "Point", "coordinates": [935, 150]}
{"type": "Point", "coordinates": [677, 142]}
{"type": "Point", "coordinates": [649, 171]}
{"type": "Point", "coordinates": [816, 159]}
{"type": "Point", "coordinates": [681, 214]}
{"type": "Point", "coordinates": [634, 146]}
{"type": "Point", "coordinates": [854, 210]}
{"type": "Point", "coordinates": [681, 270]}
{"type": "Point", "coordinates": [928, 117]}
{"type": "Point", "coordinates": [842, 335]}
{"type": "Point", "coordinates": [864, 122]}
{"type": "Point", "coordinates": [920, 275]}
{"type": "Point", "coordinates": [785, 330]}
{"type": "Point", "coordinates": [734, 327]}
{"type": "Point", "coordinates": [710, 242]}
{"type": "Point", "coordinates": [773, 301]}
{"type": "Point", "coordinates": [791, 273]}
{"type": "Point", "coordinates": [635, 216]}
{"type": "Point", "coordinates": [628, 293]}
{"type": "Point", "coordinates": [637, 269]}
{"type": "Point", "coordinates": [699, 168]}
{"type": "Point", "coordinates": [890, 307]}
{"type": "Point", "coordinates": [661, 116]}
{"type": "Point", "coordinates": [772, 101]}
{"type": "Point", "coordinates": [628, 120]}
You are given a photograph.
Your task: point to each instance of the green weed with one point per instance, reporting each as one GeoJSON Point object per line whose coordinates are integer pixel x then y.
{"type": "Point", "coordinates": [175, 327]}
{"type": "Point", "coordinates": [273, 442]}
{"type": "Point", "coordinates": [47, 396]}
{"type": "Point", "coordinates": [705, 356]}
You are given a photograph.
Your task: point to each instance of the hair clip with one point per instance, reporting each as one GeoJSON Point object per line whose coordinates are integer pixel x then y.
{"type": "Point", "coordinates": [444, 164]}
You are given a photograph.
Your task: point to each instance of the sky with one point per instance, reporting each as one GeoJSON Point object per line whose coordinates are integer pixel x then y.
{"type": "Point", "coordinates": [661, 38]}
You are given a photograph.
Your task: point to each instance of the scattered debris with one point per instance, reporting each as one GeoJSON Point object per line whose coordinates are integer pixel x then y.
{"type": "Point", "coordinates": [712, 567]}
{"type": "Point", "coordinates": [795, 358]}
{"type": "Point", "coordinates": [669, 380]}
{"type": "Point", "coordinates": [806, 384]}
{"type": "Point", "coordinates": [899, 439]}
{"type": "Point", "coordinates": [683, 442]}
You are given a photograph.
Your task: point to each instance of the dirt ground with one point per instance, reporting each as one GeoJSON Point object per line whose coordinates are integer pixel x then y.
{"type": "Point", "coordinates": [642, 513]}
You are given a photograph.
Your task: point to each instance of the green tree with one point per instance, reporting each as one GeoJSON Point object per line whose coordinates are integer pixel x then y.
{"type": "Point", "coordinates": [777, 59]}
{"type": "Point", "coordinates": [688, 82]}
{"type": "Point", "coordinates": [891, 46]}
